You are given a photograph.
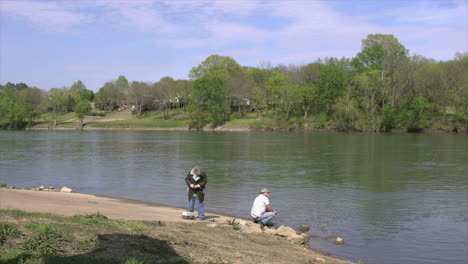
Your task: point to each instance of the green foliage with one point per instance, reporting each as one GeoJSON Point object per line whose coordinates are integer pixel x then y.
{"type": "Point", "coordinates": [18, 213]}
{"type": "Point", "coordinates": [418, 114]}
{"type": "Point", "coordinates": [389, 120]}
{"type": "Point", "coordinates": [379, 52]}
{"type": "Point", "coordinates": [7, 230]}
{"type": "Point", "coordinates": [109, 96]}
{"type": "Point", "coordinates": [46, 240]}
{"type": "Point", "coordinates": [215, 66]}
{"type": "Point", "coordinates": [3, 185]}
{"type": "Point", "coordinates": [331, 83]}
{"type": "Point", "coordinates": [346, 114]}
{"type": "Point", "coordinates": [14, 110]}
{"type": "Point", "coordinates": [234, 223]}
{"type": "Point", "coordinates": [95, 219]}
{"type": "Point", "coordinates": [207, 105]}
{"type": "Point", "coordinates": [378, 89]}
{"type": "Point", "coordinates": [82, 108]}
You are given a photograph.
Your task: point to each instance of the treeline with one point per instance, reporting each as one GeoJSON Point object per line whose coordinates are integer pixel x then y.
{"type": "Point", "coordinates": [381, 88]}
{"type": "Point", "coordinates": [20, 104]}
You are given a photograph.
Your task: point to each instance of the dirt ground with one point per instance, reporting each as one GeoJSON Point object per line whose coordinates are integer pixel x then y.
{"type": "Point", "coordinates": [209, 240]}
{"type": "Point", "coordinates": [70, 204]}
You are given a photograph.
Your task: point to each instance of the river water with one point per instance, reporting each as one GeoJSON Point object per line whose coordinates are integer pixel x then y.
{"type": "Point", "coordinates": [394, 198]}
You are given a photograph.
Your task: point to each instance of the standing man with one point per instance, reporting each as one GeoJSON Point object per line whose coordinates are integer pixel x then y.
{"type": "Point", "coordinates": [261, 211]}
{"type": "Point", "coordinates": [196, 181]}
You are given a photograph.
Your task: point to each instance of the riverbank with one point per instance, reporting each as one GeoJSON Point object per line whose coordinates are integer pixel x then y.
{"type": "Point", "coordinates": [153, 121]}
{"type": "Point", "coordinates": [121, 229]}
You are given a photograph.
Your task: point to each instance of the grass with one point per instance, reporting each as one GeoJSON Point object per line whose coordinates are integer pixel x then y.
{"type": "Point", "coordinates": [234, 223]}
{"type": "Point", "coordinates": [7, 230]}
{"type": "Point", "coordinates": [142, 123]}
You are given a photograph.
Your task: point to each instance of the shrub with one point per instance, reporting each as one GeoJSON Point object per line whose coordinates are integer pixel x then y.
{"type": "Point", "coordinates": [46, 240]}
{"type": "Point", "coordinates": [7, 230]}
{"type": "Point", "coordinates": [234, 223]}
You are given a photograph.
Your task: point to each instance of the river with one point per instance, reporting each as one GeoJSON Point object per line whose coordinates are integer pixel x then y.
{"type": "Point", "coordinates": [394, 198]}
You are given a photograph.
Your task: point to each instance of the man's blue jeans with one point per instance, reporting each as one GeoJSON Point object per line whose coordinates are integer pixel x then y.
{"type": "Point", "coordinates": [267, 218]}
{"type": "Point", "coordinates": [201, 207]}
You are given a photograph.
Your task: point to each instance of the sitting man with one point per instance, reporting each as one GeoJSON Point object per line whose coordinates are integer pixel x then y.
{"type": "Point", "coordinates": [261, 210]}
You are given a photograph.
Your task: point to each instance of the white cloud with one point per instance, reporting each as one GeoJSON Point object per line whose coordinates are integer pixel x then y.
{"type": "Point", "coordinates": [143, 15]}
{"type": "Point", "coordinates": [431, 13]}
{"type": "Point", "coordinates": [50, 15]}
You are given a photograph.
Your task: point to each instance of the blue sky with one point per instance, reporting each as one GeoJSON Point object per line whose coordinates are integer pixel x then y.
{"type": "Point", "coordinates": [51, 44]}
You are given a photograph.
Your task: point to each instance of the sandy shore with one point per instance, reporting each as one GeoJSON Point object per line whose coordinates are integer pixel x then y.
{"type": "Point", "coordinates": [69, 204]}
{"type": "Point", "coordinates": [235, 247]}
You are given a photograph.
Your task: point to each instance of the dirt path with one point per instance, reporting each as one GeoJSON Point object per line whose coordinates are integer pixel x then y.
{"type": "Point", "coordinates": [70, 204]}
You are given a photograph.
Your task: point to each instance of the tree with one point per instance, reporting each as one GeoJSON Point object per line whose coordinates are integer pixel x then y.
{"type": "Point", "coordinates": [109, 97]}
{"type": "Point", "coordinates": [207, 105]}
{"type": "Point", "coordinates": [13, 110]}
{"type": "Point", "coordinates": [183, 89]}
{"type": "Point", "coordinates": [122, 86]}
{"type": "Point", "coordinates": [276, 86]}
{"type": "Point", "coordinates": [331, 83]}
{"type": "Point", "coordinates": [77, 87]}
{"type": "Point", "coordinates": [215, 66]}
{"type": "Point", "coordinates": [82, 108]}
{"type": "Point", "coordinates": [33, 97]}
{"type": "Point", "coordinates": [259, 92]}
{"type": "Point", "coordinates": [305, 96]}
{"type": "Point", "coordinates": [56, 103]}
{"type": "Point", "coordinates": [141, 96]}
{"type": "Point", "coordinates": [418, 114]}
{"type": "Point", "coordinates": [226, 69]}
{"type": "Point", "coordinates": [167, 94]}
{"type": "Point", "coordinates": [381, 53]}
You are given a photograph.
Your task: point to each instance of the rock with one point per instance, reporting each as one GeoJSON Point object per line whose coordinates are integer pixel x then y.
{"type": "Point", "coordinates": [306, 238]}
{"type": "Point", "coordinates": [51, 187]}
{"type": "Point", "coordinates": [303, 228]}
{"type": "Point", "coordinates": [251, 228]}
{"type": "Point", "coordinates": [290, 234]}
{"type": "Point", "coordinates": [285, 231]}
{"type": "Point", "coordinates": [66, 189]}
{"type": "Point", "coordinates": [41, 188]}
{"type": "Point", "coordinates": [320, 259]}
{"type": "Point", "coordinates": [242, 222]}
{"type": "Point", "coordinates": [339, 241]}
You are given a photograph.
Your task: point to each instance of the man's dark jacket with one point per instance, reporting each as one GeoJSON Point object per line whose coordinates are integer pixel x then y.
{"type": "Point", "coordinates": [200, 192]}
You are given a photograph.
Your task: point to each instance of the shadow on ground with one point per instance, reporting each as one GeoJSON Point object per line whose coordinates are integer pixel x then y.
{"type": "Point", "coordinates": [113, 249]}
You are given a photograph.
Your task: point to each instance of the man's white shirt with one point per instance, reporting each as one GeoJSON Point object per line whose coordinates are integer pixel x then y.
{"type": "Point", "coordinates": [259, 206]}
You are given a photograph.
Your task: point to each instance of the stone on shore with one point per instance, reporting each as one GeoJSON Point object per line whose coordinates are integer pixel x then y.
{"type": "Point", "coordinates": [290, 234]}
{"type": "Point", "coordinates": [249, 227]}
{"type": "Point", "coordinates": [339, 241]}
{"type": "Point", "coordinates": [66, 190]}
{"type": "Point", "coordinates": [303, 228]}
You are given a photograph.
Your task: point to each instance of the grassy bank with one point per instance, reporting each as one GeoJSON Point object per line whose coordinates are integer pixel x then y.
{"type": "Point", "coordinates": [177, 119]}
{"type": "Point", "coordinates": [42, 238]}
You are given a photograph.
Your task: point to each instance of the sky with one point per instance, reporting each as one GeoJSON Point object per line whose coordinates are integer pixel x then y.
{"type": "Point", "coordinates": [52, 44]}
